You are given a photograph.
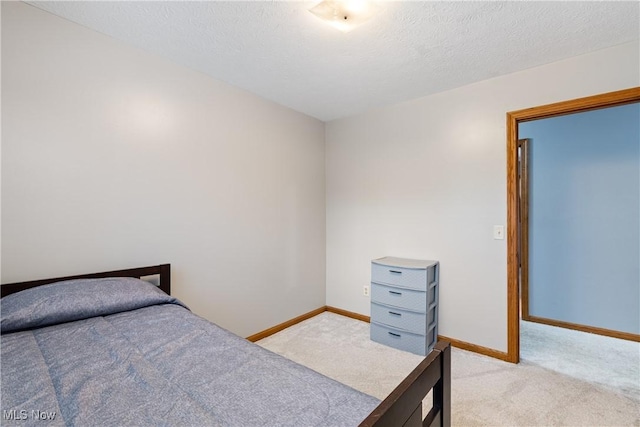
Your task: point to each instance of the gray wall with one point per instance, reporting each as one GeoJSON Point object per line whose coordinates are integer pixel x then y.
{"type": "Point", "coordinates": [584, 247]}
{"type": "Point", "coordinates": [113, 157]}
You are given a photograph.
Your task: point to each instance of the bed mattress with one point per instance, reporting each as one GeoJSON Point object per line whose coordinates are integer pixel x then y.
{"type": "Point", "coordinates": [157, 364]}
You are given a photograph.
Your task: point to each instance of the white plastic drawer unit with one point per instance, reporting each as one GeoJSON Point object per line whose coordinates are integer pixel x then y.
{"type": "Point", "coordinates": [404, 303]}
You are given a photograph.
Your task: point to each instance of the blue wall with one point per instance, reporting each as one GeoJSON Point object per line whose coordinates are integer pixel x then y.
{"type": "Point", "coordinates": [584, 247]}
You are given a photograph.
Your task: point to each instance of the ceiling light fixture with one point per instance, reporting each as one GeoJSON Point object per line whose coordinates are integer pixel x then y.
{"type": "Point", "coordinates": [345, 15]}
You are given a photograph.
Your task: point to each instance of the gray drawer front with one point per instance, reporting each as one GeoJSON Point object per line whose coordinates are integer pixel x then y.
{"type": "Point", "coordinates": [407, 320]}
{"type": "Point", "coordinates": [405, 277]}
{"type": "Point", "coordinates": [399, 339]}
{"type": "Point", "coordinates": [432, 317]}
{"type": "Point", "coordinates": [433, 294]}
{"type": "Point", "coordinates": [398, 297]}
{"type": "Point", "coordinates": [432, 337]}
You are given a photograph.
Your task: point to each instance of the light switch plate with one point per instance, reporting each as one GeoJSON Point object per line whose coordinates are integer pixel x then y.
{"type": "Point", "coordinates": [498, 232]}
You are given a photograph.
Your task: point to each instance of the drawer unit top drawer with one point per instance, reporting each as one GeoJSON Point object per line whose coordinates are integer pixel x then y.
{"type": "Point", "coordinates": [405, 262]}
{"type": "Point", "coordinates": [406, 320]}
{"type": "Point", "coordinates": [407, 299]}
{"type": "Point", "coordinates": [398, 276]}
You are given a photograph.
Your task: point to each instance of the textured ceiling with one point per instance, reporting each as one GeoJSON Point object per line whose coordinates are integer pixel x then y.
{"type": "Point", "coordinates": [280, 51]}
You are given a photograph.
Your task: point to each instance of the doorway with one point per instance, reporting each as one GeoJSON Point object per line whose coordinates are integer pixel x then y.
{"type": "Point", "coordinates": [580, 203]}
{"type": "Point", "coordinates": [513, 204]}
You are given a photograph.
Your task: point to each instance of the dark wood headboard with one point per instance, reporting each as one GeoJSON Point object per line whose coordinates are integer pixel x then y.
{"type": "Point", "coordinates": [163, 270]}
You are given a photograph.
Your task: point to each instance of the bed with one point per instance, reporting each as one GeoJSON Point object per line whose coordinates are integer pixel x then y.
{"type": "Point", "coordinates": [110, 349]}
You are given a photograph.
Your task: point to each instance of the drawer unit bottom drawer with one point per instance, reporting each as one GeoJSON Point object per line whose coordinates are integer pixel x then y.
{"type": "Point", "coordinates": [399, 339]}
{"type": "Point", "coordinates": [398, 318]}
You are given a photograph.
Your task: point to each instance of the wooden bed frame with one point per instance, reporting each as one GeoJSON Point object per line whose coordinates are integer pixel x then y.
{"type": "Point", "coordinates": [403, 407]}
{"type": "Point", "coordinates": [163, 270]}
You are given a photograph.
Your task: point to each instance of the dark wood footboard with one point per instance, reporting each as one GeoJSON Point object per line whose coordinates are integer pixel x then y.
{"type": "Point", "coordinates": [163, 270]}
{"type": "Point", "coordinates": [403, 407]}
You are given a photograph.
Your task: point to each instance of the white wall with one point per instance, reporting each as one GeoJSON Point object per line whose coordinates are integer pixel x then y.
{"type": "Point", "coordinates": [115, 158]}
{"type": "Point", "coordinates": [427, 179]}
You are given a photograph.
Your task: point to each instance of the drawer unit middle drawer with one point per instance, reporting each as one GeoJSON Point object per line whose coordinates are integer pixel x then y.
{"type": "Point", "coordinates": [398, 318]}
{"type": "Point", "coordinates": [405, 277]}
{"type": "Point", "coordinates": [398, 297]}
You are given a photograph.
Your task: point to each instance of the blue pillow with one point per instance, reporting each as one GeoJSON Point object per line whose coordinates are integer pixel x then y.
{"type": "Point", "coordinates": [76, 300]}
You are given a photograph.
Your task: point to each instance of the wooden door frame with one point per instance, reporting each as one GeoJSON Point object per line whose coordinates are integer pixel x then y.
{"type": "Point", "coordinates": [611, 99]}
{"type": "Point", "coordinates": [523, 226]}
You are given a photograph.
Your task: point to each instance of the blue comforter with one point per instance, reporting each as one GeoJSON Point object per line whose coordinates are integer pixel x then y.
{"type": "Point", "coordinates": [105, 352]}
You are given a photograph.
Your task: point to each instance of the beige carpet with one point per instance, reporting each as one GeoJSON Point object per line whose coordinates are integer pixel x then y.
{"type": "Point", "coordinates": [609, 362]}
{"type": "Point", "coordinates": [485, 391]}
